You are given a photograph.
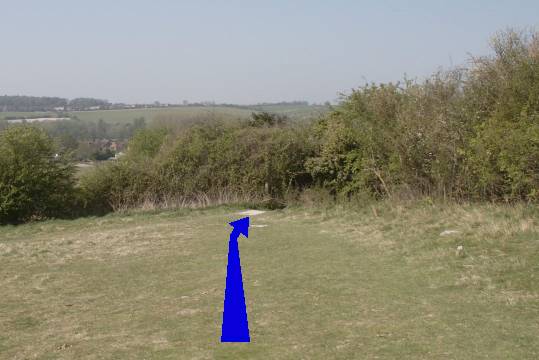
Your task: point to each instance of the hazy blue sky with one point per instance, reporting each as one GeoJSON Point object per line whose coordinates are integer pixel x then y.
{"type": "Point", "coordinates": [238, 51]}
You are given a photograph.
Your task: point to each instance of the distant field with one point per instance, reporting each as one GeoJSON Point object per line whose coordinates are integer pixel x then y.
{"type": "Point", "coordinates": [295, 112]}
{"type": "Point", "coordinates": [190, 112]}
{"type": "Point", "coordinates": [383, 282]}
{"type": "Point", "coordinates": [128, 115]}
{"type": "Point", "coordinates": [20, 115]}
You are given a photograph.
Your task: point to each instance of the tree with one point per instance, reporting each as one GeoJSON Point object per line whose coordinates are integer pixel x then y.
{"type": "Point", "coordinates": [34, 182]}
{"type": "Point", "coordinates": [146, 143]}
{"type": "Point", "coordinates": [88, 103]}
{"type": "Point", "coordinates": [31, 103]}
{"type": "Point", "coordinates": [265, 119]}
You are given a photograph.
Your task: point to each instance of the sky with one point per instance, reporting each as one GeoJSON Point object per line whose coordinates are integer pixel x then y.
{"type": "Point", "coordinates": [234, 51]}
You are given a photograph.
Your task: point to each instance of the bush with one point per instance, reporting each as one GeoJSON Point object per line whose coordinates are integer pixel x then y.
{"type": "Point", "coordinates": [356, 140]}
{"type": "Point", "coordinates": [146, 143]}
{"type": "Point", "coordinates": [466, 133]}
{"type": "Point", "coordinates": [503, 95]}
{"type": "Point", "coordinates": [114, 186]}
{"type": "Point", "coordinates": [265, 119]}
{"type": "Point", "coordinates": [206, 158]}
{"type": "Point", "coordinates": [462, 134]}
{"type": "Point", "coordinates": [34, 183]}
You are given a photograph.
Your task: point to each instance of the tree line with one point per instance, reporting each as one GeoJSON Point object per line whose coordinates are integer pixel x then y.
{"type": "Point", "coordinates": [42, 103]}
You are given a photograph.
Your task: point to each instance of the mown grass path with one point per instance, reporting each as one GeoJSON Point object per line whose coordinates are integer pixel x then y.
{"type": "Point", "coordinates": [319, 284]}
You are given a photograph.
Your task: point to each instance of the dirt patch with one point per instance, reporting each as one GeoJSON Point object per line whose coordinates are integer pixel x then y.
{"type": "Point", "coordinates": [251, 212]}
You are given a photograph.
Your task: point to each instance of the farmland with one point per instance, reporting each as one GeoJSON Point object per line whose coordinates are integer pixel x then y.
{"type": "Point", "coordinates": [123, 116]}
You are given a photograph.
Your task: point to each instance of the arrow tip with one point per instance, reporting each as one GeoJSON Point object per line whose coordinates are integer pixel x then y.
{"type": "Point", "coordinates": [242, 226]}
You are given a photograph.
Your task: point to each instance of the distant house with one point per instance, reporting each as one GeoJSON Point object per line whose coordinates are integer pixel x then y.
{"type": "Point", "coordinates": [113, 146]}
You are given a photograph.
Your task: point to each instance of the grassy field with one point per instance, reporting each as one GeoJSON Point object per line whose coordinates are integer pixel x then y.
{"type": "Point", "coordinates": [295, 112]}
{"type": "Point", "coordinates": [384, 282]}
{"type": "Point", "coordinates": [20, 115]}
{"type": "Point", "coordinates": [128, 115]}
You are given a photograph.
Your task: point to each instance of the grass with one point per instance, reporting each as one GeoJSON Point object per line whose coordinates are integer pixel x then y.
{"type": "Point", "coordinates": [31, 114]}
{"type": "Point", "coordinates": [377, 282]}
{"type": "Point", "coordinates": [150, 114]}
{"type": "Point", "coordinates": [294, 112]}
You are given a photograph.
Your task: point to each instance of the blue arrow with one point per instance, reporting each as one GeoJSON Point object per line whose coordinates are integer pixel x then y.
{"type": "Point", "coordinates": [235, 327]}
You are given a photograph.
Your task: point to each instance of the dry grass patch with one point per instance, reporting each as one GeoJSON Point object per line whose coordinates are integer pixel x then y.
{"type": "Point", "coordinates": [335, 283]}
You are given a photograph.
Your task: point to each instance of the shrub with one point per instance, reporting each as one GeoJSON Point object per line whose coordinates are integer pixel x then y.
{"type": "Point", "coordinates": [251, 160]}
{"type": "Point", "coordinates": [503, 95]}
{"type": "Point", "coordinates": [115, 185]}
{"type": "Point", "coordinates": [146, 143]}
{"type": "Point", "coordinates": [470, 133]}
{"type": "Point", "coordinates": [34, 183]}
{"type": "Point", "coordinates": [464, 134]}
{"type": "Point", "coordinates": [359, 142]}
{"type": "Point", "coordinates": [265, 119]}
{"type": "Point", "coordinates": [212, 159]}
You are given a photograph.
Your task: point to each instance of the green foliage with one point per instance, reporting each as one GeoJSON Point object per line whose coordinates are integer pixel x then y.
{"type": "Point", "coordinates": [355, 139]}
{"type": "Point", "coordinates": [74, 132]}
{"type": "Point", "coordinates": [206, 158]}
{"type": "Point", "coordinates": [461, 134]}
{"type": "Point", "coordinates": [30, 103]}
{"type": "Point", "coordinates": [504, 98]}
{"type": "Point", "coordinates": [115, 185]}
{"type": "Point", "coordinates": [386, 136]}
{"type": "Point", "coordinates": [128, 182]}
{"type": "Point", "coordinates": [265, 119]}
{"type": "Point", "coordinates": [33, 182]}
{"type": "Point", "coordinates": [470, 133]}
{"type": "Point", "coordinates": [85, 103]}
{"type": "Point", "coordinates": [146, 143]}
